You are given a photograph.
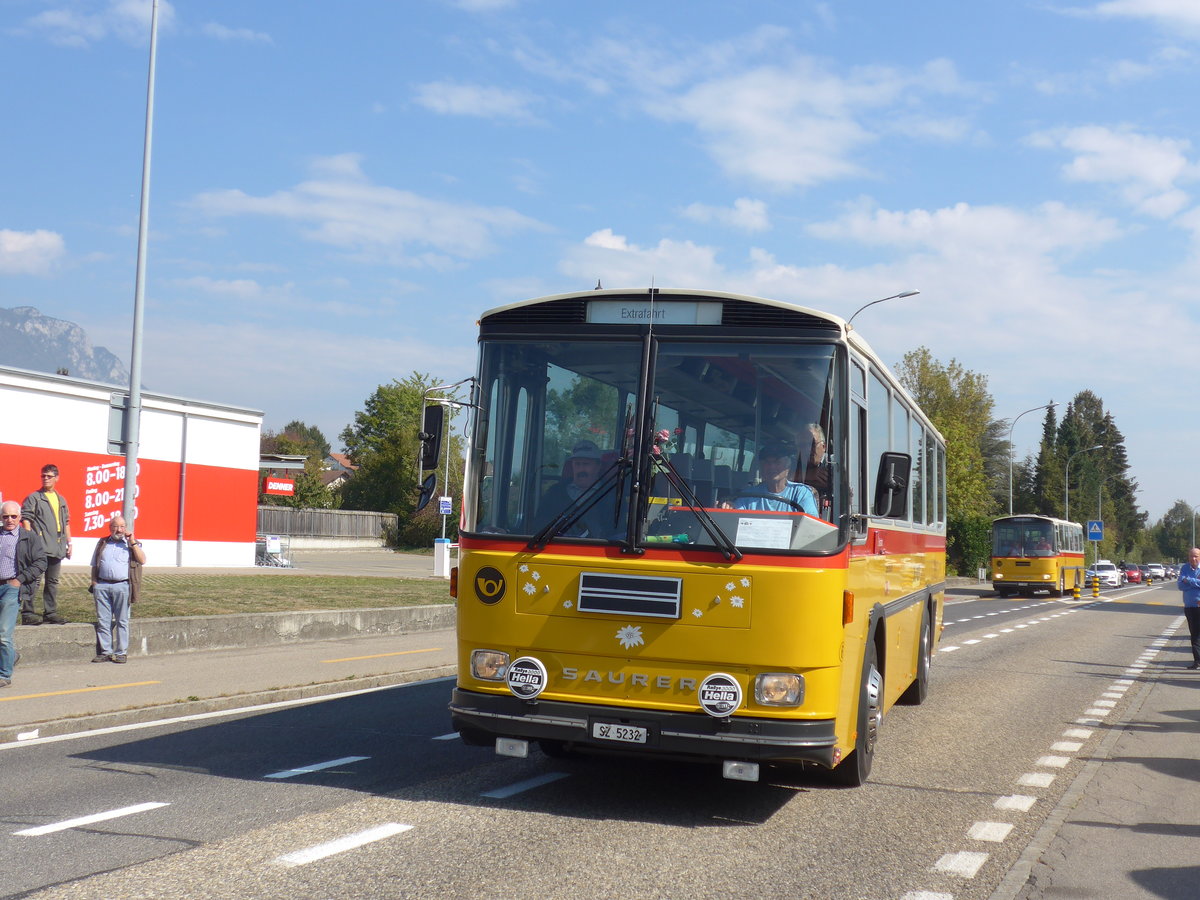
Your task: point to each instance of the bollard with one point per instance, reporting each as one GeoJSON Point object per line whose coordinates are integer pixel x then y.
{"type": "Point", "coordinates": [1095, 585]}
{"type": "Point", "coordinates": [1075, 590]}
{"type": "Point", "coordinates": [441, 558]}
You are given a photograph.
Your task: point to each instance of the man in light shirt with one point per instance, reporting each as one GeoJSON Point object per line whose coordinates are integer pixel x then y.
{"type": "Point", "coordinates": [115, 579]}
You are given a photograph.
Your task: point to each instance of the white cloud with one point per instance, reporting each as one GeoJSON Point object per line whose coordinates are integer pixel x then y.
{"type": "Point", "coordinates": [29, 252]}
{"type": "Point", "coordinates": [1144, 167]}
{"type": "Point", "coordinates": [342, 208]}
{"type": "Point", "coordinates": [746, 214]}
{"type": "Point", "coordinates": [482, 101]}
{"type": "Point", "coordinates": [225, 33]}
{"type": "Point", "coordinates": [1169, 13]}
{"type": "Point", "coordinates": [237, 288]}
{"type": "Point", "coordinates": [69, 25]}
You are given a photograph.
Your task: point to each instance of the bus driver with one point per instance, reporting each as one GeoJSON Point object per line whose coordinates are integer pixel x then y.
{"type": "Point", "coordinates": [775, 492]}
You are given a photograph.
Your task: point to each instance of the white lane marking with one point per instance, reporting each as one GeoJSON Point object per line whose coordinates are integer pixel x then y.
{"type": "Point", "coordinates": [341, 845]}
{"type": "Point", "coordinates": [946, 649]}
{"type": "Point", "coordinates": [89, 820]}
{"type": "Point", "coordinates": [1097, 711]}
{"type": "Point", "coordinates": [218, 713]}
{"type": "Point", "coordinates": [1108, 704]}
{"type": "Point", "coordinates": [316, 767]}
{"type": "Point", "coordinates": [521, 786]}
{"type": "Point", "coordinates": [990, 831]}
{"type": "Point", "coordinates": [991, 635]}
{"type": "Point", "coordinates": [452, 736]}
{"type": "Point", "coordinates": [1082, 733]}
{"type": "Point", "coordinates": [1066, 746]}
{"type": "Point", "coordinates": [964, 863]}
{"type": "Point", "coordinates": [1053, 762]}
{"type": "Point", "coordinates": [1006, 631]}
{"type": "Point", "coordinates": [1020, 802]}
{"type": "Point", "coordinates": [1036, 779]}
{"type": "Point", "coordinates": [926, 895]}
{"type": "Point", "coordinates": [971, 642]}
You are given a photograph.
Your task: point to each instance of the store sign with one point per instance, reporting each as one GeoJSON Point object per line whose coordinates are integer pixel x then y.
{"type": "Point", "coordinates": [284, 487]}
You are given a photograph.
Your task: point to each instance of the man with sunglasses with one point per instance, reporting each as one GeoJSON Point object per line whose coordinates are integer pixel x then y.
{"type": "Point", "coordinates": [45, 511]}
{"type": "Point", "coordinates": [22, 562]}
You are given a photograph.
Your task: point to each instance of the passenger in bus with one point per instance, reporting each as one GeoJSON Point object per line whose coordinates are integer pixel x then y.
{"type": "Point", "coordinates": [816, 473]}
{"type": "Point", "coordinates": [580, 472]}
{"type": "Point", "coordinates": [1043, 547]}
{"type": "Point", "coordinates": [775, 492]}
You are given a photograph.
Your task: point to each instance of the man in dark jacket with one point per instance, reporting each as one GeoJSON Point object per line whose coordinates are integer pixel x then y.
{"type": "Point", "coordinates": [46, 512]}
{"type": "Point", "coordinates": [22, 562]}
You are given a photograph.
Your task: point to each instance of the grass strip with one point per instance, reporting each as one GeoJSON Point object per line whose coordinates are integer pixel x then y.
{"type": "Point", "coordinates": [165, 594]}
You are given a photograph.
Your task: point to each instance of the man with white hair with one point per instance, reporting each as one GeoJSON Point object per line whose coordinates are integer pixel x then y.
{"type": "Point", "coordinates": [116, 570]}
{"type": "Point", "coordinates": [22, 562]}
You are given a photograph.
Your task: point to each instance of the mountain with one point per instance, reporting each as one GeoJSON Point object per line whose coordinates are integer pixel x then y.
{"type": "Point", "coordinates": [29, 340]}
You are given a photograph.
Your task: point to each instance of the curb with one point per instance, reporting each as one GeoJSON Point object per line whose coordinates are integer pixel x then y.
{"type": "Point", "coordinates": [17, 735]}
{"type": "Point", "coordinates": [238, 631]}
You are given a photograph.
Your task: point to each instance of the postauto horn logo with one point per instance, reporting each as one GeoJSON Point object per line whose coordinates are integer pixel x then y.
{"type": "Point", "coordinates": [489, 585]}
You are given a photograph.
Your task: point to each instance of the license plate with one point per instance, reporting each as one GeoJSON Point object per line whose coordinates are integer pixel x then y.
{"type": "Point", "coordinates": [625, 734]}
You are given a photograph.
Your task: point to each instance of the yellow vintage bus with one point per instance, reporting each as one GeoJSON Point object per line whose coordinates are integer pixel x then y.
{"type": "Point", "coordinates": [695, 524]}
{"type": "Point", "coordinates": [1036, 553]}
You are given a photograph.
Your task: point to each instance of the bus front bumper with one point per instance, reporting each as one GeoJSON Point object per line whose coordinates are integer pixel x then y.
{"type": "Point", "coordinates": [481, 718]}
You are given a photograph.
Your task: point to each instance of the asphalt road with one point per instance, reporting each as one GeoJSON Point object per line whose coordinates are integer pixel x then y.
{"type": "Point", "coordinates": [369, 796]}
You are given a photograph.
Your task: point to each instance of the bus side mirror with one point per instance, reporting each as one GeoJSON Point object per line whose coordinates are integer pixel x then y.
{"type": "Point", "coordinates": [431, 435]}
{"type": "Point", "coordinates": [891, 485]}
{"type": "Point", "coordinates": [427, 488]}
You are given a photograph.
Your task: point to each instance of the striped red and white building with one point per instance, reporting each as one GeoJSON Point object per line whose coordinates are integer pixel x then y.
{"type": "Point", "coordinates": [198, 467]}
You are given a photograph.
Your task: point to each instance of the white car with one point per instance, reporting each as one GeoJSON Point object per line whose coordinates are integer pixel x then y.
{"type": "Point", "coordinates": [1157, 571]}
{"type": "Point", "coordinates": [1107, 571]}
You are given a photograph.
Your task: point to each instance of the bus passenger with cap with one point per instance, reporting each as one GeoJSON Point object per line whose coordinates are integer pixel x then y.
{"type": "Point", "coordinates": [581, 470]}
{"type": "Point", "coordinates": [775, 492]}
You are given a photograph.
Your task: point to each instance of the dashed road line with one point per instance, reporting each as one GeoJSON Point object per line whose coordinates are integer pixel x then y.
{"type": "Point", "coordinates": [89, 820]}
{"type": "Point", "coordinates": [341, 845]}
{"type": "Point", "coordinates": [966, 864]}
{"type": "Point", "coordinates": [316, 767]}
{"type": "Point", "coordinates": [522, 786]}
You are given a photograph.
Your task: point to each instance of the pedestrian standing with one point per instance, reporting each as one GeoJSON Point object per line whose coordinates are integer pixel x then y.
{"type": "Point", "coordinates": [22, 562]}
{"type": "Point", "coordinates": [1189, 583]}
{"type": "Point", "coordinates": [46, 512]}
{"type": "Point", "coordinates": [116, 580]}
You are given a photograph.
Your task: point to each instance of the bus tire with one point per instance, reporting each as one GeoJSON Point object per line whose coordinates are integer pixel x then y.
{"type": "Point", "coordinates": [916, 692]}
{"type": "Point", "coordinates": [854, 769]}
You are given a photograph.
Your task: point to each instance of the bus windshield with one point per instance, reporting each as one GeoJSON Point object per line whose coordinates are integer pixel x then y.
{"type": "Point", "coordinates": [1023, 538]}
{"type": "Point", "coordinates": [735, 443]}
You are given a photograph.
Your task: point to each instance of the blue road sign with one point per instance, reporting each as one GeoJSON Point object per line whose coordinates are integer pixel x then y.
{"type": "Point", "coordinates": [1095, 530]}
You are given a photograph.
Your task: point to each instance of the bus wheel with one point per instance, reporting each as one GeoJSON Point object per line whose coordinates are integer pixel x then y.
{"type": "Point", "coordinates": [855, 768]}
{"type": "Point", "coordinates": [916, 692]}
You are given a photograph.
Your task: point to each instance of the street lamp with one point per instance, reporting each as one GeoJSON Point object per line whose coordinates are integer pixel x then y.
{"type": "Point", "coordinates": [1049, 405]}
{"type": "Point", "coordinates": [1067, 480]}
{"type": "Point", "coordinates": [899, 296]}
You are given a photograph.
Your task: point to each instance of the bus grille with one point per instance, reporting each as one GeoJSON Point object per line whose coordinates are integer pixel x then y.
{"type": "Point", "coordinates": [630, 595]}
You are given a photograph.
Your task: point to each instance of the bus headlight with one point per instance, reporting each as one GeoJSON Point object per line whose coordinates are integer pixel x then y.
{"type": "Point", "coordinates": [489, 665]}
{"type": "Point", "coordinates": [779, 689]}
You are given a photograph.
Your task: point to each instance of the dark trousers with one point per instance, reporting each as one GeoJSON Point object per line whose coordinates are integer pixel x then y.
{"type": "Point", "coordinates": [49, 593]}
{"type": "Point", "coordinates": [1193, 619]}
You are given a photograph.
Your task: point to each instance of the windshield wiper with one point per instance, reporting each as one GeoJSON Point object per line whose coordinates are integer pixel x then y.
{"type": "Point", "coordinates": [577, 508]}
{"type": "Point", "coordinates": [727, 547]}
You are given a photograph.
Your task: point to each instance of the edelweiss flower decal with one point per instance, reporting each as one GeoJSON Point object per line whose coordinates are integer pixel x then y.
{"type": "Point", "coordinates": [630, 636]}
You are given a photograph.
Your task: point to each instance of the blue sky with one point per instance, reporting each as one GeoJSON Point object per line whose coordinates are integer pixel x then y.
{"type": "Point", "coordinates": [340, 189]}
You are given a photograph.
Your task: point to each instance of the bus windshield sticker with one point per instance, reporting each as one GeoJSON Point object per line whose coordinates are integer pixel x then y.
{"type": "Point", "coordinates": [772, 534]}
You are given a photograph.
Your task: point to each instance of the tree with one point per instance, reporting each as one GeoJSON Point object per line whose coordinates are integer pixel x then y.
{"type": "Point", "coordinates": [960, 406]}
{"type": "Point", "coordinates": [1172, 533]}
{"type": "Point", "coordinates": [383, 443]}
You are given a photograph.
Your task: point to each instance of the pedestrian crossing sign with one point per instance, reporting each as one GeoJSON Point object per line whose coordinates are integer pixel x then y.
{"type": "Point", "coordinates": [1095, 530]}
